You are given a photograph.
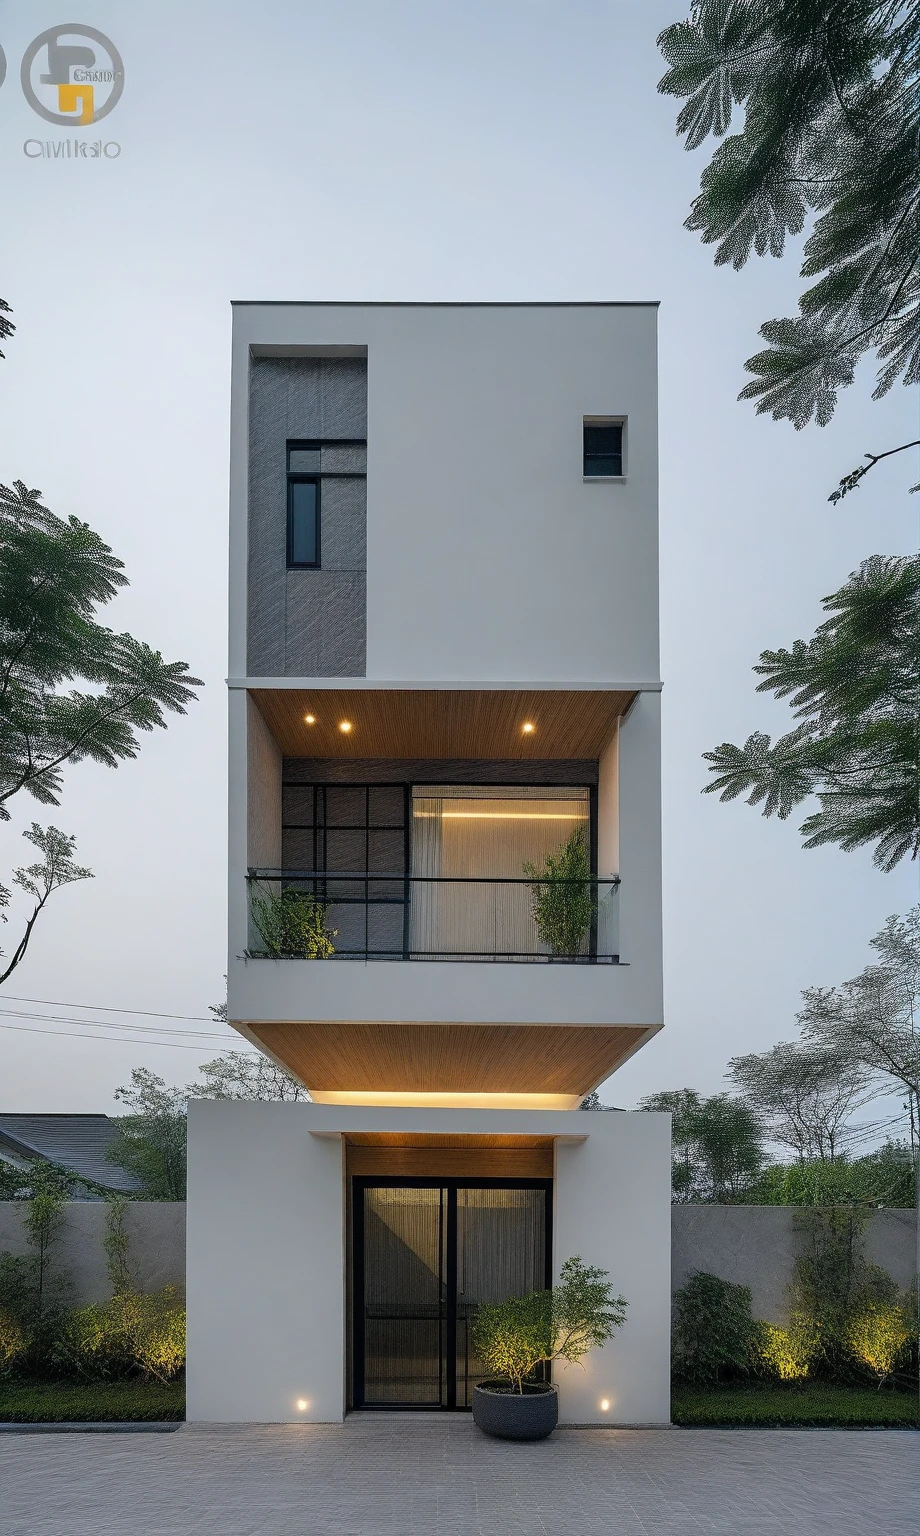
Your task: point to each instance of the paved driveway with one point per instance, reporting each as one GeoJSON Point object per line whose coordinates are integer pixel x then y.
{"type": "Point", "coordinates": [384, 1475]}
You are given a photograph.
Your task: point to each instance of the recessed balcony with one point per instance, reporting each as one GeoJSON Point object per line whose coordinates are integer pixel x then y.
{"type": "Point", "coordinates": [477, 836]}
{"type": "Point", "coordinates": [436, 872]}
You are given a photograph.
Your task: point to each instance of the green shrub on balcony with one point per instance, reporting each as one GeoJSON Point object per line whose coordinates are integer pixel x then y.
{"type": "Point", "coordinates": [292, 925]}
{"type": "Point", "coordinates": [563, 896]}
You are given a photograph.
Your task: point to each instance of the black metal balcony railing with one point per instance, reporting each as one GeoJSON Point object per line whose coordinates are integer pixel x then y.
{"type": "Point", "coordinates": [366, 915]}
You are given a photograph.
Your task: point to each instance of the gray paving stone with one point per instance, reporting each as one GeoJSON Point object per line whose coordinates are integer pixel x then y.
{"type": "Point", "coordinates": [432, 1476]}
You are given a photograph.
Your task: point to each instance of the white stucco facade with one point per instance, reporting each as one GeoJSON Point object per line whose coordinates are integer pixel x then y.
{"type": "Point", "coordinates": [466, 550]}
{"type": "Point", "coordinates": [267, 1315]}
{"type": "Point", "coordinates": [476, 504]}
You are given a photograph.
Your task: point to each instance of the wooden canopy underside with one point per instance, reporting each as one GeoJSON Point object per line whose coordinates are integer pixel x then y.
{"type": "Point", "coordinates": [448, 1058]}
{"type": "Point", "coordinates": [442, 723]}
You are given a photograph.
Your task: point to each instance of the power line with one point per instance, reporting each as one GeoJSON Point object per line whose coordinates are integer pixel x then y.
{"type": "Point", "coordinates": [151, 1029]}
{"type": "Point", "coordinates": [176, 1045]}
{"type": "Point", "coordinates": [145, 1013]}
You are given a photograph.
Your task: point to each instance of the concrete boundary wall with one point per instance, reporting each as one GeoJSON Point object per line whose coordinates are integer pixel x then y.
{"type": "Point", "coordinates": [757, 1246]}
{"type": "Point", "coordinates": [753, 1245]}
{"type": "Point", "coordinates": [156, 1233]}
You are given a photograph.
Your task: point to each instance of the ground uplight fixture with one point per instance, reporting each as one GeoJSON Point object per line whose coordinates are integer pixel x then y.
{"type": "Point", "coordinates": [529, 728]}
{"type": "Point", "coordinates": [345, 726]}
{"type": "Point", "coordinates": [310, 719]}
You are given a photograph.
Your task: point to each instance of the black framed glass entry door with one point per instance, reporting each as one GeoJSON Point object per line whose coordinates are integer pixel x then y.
{"type": "Point", "coordinates": [426, 1253]}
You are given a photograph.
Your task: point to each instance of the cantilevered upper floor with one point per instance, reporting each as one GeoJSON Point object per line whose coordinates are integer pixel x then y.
{"type": "Point", "coordinates": [444, 668]}
{"type": "Point", "coordinates": [445, 491]}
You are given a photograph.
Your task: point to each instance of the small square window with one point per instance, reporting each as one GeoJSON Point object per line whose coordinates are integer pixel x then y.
{"type": "Point", "coordinates": [603, 448]}
{"type": "Point", "coordinates": [303, 522]}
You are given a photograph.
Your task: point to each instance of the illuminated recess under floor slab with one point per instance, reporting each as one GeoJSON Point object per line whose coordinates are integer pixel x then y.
{"type": "Point", "coordinates": [394, 1100]}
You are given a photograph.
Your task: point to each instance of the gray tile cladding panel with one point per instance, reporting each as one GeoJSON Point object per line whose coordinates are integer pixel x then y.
{"type": "Point", "coordinates": [344, 526]}
{"type": "Point", "coordinates": [325, 624]}
{"type": "Point", "coordinates": [306, 623]}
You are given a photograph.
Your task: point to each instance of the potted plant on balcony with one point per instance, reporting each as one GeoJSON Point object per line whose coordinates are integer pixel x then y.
{"type": "Point", "coordinates": [292, 925]}
{"type": "Point", "coordinates": [563, 897]}
{"type": "Point", "coordinates": [518, 1340]}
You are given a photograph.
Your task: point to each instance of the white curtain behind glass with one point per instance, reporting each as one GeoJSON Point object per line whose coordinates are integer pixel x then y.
{"type": "Point", "coordinates": [485, 832]}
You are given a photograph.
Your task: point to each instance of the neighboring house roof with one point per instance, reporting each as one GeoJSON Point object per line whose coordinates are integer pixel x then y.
{"type": "Point", "coordinates": [78, 1141]}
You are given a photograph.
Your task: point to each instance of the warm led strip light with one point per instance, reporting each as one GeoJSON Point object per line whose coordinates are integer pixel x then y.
{"type": "Point", "coordinates": [501, 815]}
{"type": "Point", "coordinates": [394, 1098]}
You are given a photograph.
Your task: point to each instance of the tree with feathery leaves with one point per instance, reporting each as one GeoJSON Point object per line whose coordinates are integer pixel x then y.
{"type": "Point", "coordinates": [855, 691]}
{"type": "Point", "coordinates": [830, 92]}
{"type": "Point", "coordinates": [54, 575]}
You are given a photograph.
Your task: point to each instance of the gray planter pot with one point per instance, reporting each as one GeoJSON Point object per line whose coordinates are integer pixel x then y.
{"type": "Point", "coordinates": [514, 1416]}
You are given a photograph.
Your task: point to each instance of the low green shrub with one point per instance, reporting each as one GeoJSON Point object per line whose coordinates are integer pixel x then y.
{"type": "Point", "coordinates": [32, 1315]}
{"type": "Point", "coordinates": [714, 1335]}
{"type": "Point", "coordinates": [75, 1402]}
{"type": "Point", "coordinates": [12, 1343]}
{"type": "Point", "coordinates": [880, 1336]}
{"type": "Point", "coordinates": [811, 1405]}
{"type": "Point", "coordinates": [833, 1285]}
{"type": "Point", "coordinates": [788, 1353]}
{"type": "Point", "coordinates": [133, 1333]}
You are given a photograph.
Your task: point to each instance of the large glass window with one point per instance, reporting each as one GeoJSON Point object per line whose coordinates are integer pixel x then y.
{"type": "Point", "coordinates": [471, 850]}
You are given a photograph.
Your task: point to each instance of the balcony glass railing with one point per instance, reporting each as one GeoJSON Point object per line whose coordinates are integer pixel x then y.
{"type": "Point", "coordinates": [366, 915]}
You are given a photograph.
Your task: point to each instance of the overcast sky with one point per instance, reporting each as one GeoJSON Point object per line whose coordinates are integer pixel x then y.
{"type": "Point", "coordinates": [404, 150]}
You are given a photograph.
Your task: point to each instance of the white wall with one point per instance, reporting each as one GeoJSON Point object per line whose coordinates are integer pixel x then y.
{"type": "Point", "coordinates": [640, 849]}
{"type": "Point", "coordinates": [608, 808]}
{"type": "Point", "coordinates": [266, 1320]}
{"type": "Point", "coordinates": [613, 1208]}
{"type": "Point", "coordinates": [483, 538]}
{"type": "Point", "coordinates": [265, 1266]}
{"type": "Point", "coordinates": [433, 991]}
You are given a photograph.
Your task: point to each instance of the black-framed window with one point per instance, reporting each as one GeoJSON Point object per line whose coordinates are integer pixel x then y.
{"type": "Point", "coordinates": [303, 523]}
{"type": "Point", "coordinates": [309, 464]}
{"type": "Point", "coordinates": [603, 448]}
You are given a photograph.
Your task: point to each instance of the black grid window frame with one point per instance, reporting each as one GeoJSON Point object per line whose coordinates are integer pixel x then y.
{"type": "Point", "coordinates": [603, 462]}
{"type": "Point", "coordinates": [314, 477]}
{"type": "Point", "coordinates": [324, 889]}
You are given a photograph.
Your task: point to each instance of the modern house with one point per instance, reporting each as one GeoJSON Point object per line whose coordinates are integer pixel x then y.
{"type": "Point", "coordinates": [445, 884]}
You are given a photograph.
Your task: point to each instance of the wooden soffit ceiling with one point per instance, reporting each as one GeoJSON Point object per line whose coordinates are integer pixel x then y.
{"type": "Point", "coordinates": [442, 723]}
{"type": "Point", "coordinates": [448, 1058]}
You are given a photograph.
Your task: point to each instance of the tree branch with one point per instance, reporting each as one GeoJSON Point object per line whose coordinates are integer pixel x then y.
{"type": "Point", "coordinates": [851, 481]}
{"type": "Point", "coordinates": [20, 951]}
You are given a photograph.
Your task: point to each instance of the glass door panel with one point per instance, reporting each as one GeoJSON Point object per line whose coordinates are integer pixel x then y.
{"type": "Point", "coordinates": [404, 1296]}
{"type": "Point", "coordinates": [501, 1252]}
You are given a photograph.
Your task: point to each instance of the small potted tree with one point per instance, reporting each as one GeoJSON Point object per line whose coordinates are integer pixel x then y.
{"type": "Point", "coordinates": [563, 897]}
{"type": "Point", "coordinates": [518, 1340]}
